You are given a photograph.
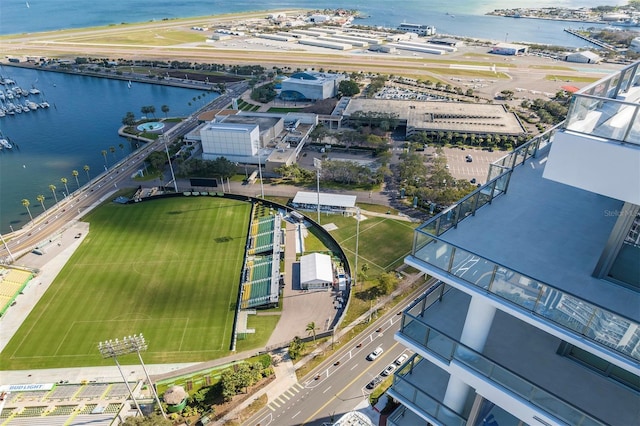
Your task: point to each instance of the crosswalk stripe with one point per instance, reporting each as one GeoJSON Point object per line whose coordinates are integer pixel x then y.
{"type": "Point", "coordinates": [271, 408]}
{"type": "Point", "coordinates": [275, 403]}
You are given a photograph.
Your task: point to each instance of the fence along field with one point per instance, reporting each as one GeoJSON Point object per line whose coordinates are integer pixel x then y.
{"type": "Point", "coordinates": [168, 268]}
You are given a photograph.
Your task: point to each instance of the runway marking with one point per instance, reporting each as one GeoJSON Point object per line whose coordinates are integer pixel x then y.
{"type": "Point", "coordinates": [325, 391]}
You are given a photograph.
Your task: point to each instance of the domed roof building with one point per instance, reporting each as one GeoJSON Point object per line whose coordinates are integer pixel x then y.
{"type": "Point", "coordinates": [176, 399]}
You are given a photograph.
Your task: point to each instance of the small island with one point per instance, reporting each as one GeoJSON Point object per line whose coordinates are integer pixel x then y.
{"type": "Point", "coordinates": [627, 15]}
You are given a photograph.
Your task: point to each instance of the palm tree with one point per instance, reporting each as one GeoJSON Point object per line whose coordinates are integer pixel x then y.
{"type": "Point", "coordinates": [53, 190]}
{"type": "Point", "coordinates": [74, 173]}
{"type": "Point", "coordinates": [64, 182]}
{"type": "Point", "coordinates": [165, 109]}
{"type": "Point", "coordinates": [41, 199]}
{"type": "Point", "coordinates": [311, 329]}
{"type": "Point", "coordinates": [86, 168]}
{"type": "Point", "coordinates": [121, 146]}
{"type": "Point", "coordinates": [26, 203]}
{"type": "Point", "coordinates": [104, 154]}
{"type": "Point", "coordinates": [112, 150]}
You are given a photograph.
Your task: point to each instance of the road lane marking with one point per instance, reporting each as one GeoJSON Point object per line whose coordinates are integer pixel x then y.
{"type": "Point", "coordinates": [325, 391]}
{"type": "Point", "coordinates": [345, 387]}
{"type": "Point", "coordinates": [352, 368]}
{"type": "Point", "coordinates": [294, 416]}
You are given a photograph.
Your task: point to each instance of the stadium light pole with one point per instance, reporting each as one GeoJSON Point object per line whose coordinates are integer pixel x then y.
{"type": "Point", "coordinates": [173, 176]}
{"type": "Point", "coordinates": [260, 171]}
{"type": "Point", "coordinates": [7, 247]}
{"type": "Point", "coordinates": [317, 163]}
{"type": "Point", "coordinates": [110, 349]}
{"type": "Point", "coordinates": [128, 345]}
{"type": "Point", "coordinates": [355, 279]}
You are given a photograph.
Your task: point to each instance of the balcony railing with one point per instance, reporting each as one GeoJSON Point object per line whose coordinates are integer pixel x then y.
{"type": "Point", "coordinates": [408, 393]}
{"type": "Point", "coordinates": [610, 107]}
{"type": "Point", "coordinates": [570, 312]}
{"type": "Point", "coordinates": [449, 349]}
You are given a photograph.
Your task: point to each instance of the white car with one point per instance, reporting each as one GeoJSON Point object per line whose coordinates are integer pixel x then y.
{"type": "Point", "coordinates": [387, 371]}
{"type": "Point", "coordinates": [402, 358]}
{"type": "Point", "coordinates": [375, 354]}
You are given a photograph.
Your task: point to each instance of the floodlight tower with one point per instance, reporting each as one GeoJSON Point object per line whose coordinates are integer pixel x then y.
{"type": "Point", "coordinates": [317, 163]}
{"type": "Point", "coordinates": [129, 345]}
{"type": "Point", "coordinates": [111, 349]}
{"type": "Point", "coordinates": [166, 148]}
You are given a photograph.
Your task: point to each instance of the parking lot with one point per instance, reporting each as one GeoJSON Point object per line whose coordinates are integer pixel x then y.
{"type": "Point", "coordinates": [477, 169]}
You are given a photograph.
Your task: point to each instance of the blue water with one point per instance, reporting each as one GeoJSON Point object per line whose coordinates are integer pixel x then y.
{"type": "Point", "coordinates": [44, 15]}
{"type": "Point", "coordinates": [83, 120]}
{"type": "Point", "coordinates": [88, 111]}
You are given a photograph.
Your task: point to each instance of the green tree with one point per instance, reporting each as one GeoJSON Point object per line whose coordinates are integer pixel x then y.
{"type": "Point", "coordinates": [86, 169]}
{"type": "Point", "coordinates": [165, 110]}
{"type": "Point", "coordinates": [40, 198]}
{"type": "Point", "coordinates": [64, 181]}
{"type": "Point", "coordinates": [75, 174]}
{"type": "Point", "coordinates": [295, 348]}
{"type": "Point", "coordinates": [52, 188]}
{"type": "Point", "coordinates": [311, 329]}
{"type": "Point", "coordinates": [348, 88]}
{"type": "Point", "coordinates": [121, 146]}
{"type": "Point", "coordinates": [104, 154]}
{"type": "Point", "coordinates": [152, 420]}
{"type": "Point", "coordinates": [129, 119]}
{"type": "Point", "coordinates": [152, 110]}
{"type": "Point", "coordinates": [112, 150]}
{"type": "Point", "coordinates": [386, 283]}
{"type": "Point", "coordinates": [157, 160]}
{"type": "Point", "coordinates": [26, 204]}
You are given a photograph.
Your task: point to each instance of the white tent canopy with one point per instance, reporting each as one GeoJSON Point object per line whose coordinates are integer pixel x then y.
{"type": "Point", "coordinates": [315, 271]}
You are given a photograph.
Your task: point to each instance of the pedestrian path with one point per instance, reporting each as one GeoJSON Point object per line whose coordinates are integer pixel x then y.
{"type": "Point", "coordinates": [285, 396]}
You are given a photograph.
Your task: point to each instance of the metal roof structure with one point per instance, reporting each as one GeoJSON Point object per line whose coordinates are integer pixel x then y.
{"type": "Point", "coordinates": [316, 268]}
{"type": "Point", "coordinates": [334, 200]}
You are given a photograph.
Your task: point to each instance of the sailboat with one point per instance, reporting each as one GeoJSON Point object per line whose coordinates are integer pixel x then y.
{"type": "Point", "coordinates": [28, 6]}
{"type": "Point", "coordinates": [129, 84]}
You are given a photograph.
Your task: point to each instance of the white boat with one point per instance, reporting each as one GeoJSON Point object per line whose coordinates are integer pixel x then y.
{"type": "Point", "coordinates": [44, 104]}
{"type": "Point", "coordinates": [5, 143]}
{"type": "Point", "coordinates": [34, 91]}
{"type": "Point", "coordinates": [32, 105]}
{"type": "Point", "coordinates": [2, 113]}
{"type": "Point", "coordinates": [10, 94]}
{"type": "Point", "coordinates": [25, 108]}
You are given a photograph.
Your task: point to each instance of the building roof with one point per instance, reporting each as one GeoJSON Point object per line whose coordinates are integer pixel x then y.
{"type": "Point", "coordinates": [230, 127]}
{"type": "Point", "coordinates": [316, 267]}
{"type": "Point", "coordinates": [586, 54]}
{"type": "Point", "coordinates": [510, 46]}
{"type": "Point", "coordinates": [458, 117]}
{"type": "Point", "coordinates": [335, 200]}
{"type": "Point", "coordinates": [174, 395]}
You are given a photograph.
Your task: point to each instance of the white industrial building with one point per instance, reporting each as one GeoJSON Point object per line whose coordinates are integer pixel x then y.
{"type": "Point", "coordinates": [423, 30]}
{"type": "Point", "coordinates": [509, 49]}
{"type": "Point", "coordinates": [234, 141]}
{"type": "Point", "coordinates": [316, 272]}
{"type": "Point", "coordinates": [584, 57]}
{"type": "Point", "coordinates": [311, 85]}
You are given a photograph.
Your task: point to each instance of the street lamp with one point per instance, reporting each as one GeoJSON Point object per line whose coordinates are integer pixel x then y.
{"type": "Point", "coordinates": [317, 163]}
{"type": "Point", "coordinates": [355, 279]}
{"type": "Point", "coordinates": [173, 177]}
{"type": "Point", "coordinates": [129, 345]}
{"type": "Point", "coordinates": [260, 171]}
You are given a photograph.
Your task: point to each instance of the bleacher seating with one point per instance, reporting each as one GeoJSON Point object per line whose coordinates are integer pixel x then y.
{"type": "Point", "coordinates": [62, 410]}
{"type": "Point", "coordinates": [31, 411]}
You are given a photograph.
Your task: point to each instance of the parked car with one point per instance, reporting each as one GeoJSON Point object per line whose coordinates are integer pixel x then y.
{"type": "Point", "coordinates": [375, 354]}
{"type": "Point", "coordinates": [402, 358]}
{"type": "Point", "coordinates": [389, 370]}
{"type": "Point", "coordinates": [375, 382]}
{"type": "Point", "coordinates": [469, 158]}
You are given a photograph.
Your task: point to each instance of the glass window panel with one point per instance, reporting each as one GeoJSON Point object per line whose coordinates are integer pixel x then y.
{"type": "Point", "coordinates": [512, 382]}
{"type": "Point", "coordinates": [501, 183]}
{"type": "Point", "coordinates": [484, 196]}
{"type": "Point", "coordinates": [447, 220]}
{"type": "Point", "coordinates": [426, 403]}
{"type": "Point", "coordinates": [421, 240]}
{"type": "Point", "coordinates": [437, 253]}
{"type": "Point", "coordinates": [571, 313]}
{"type": "Point", "coordinates": [404, 388]}
{"type": "Point", "coordinates": [467, 206]}
{"type": "Point", "coordinates": [440, 344]}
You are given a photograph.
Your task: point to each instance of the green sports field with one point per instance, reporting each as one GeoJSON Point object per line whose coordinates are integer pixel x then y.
{"type": "Point", "coordinates": [168, 268]}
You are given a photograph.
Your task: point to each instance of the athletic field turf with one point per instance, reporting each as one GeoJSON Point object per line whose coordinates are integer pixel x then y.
{"type": "Point", "coordinates": [168, 268]}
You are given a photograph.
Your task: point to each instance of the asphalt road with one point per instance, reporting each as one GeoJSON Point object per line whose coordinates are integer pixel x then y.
{"type": "Point", "coordinates": [339, 384]}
